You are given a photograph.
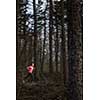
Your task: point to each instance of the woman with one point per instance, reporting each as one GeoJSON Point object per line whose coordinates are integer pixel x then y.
{"type": "Point", "coordinates": [30, 70]}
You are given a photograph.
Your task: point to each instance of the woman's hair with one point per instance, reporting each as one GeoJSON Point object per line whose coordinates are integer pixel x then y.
{"type": "Point", "coordinates": [29, 64]}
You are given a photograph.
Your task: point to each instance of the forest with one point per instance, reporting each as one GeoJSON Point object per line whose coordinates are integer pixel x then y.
{"type": "Point", "coordinates": [49, 33]}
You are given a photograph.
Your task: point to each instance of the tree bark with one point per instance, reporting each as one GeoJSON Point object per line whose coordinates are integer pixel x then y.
{"type": "Point", "coordinates": [50, 35]}
{"type": "Point", "coordinates": [42, 62]}
{"type": "Point", "coordinates": [56, 41]}
{"type": "Point", "coordinates": [74, 50]}
{"type": "Point", "coordinates": [63, 46]}
{"type": "Point", "coordinates": [35, 36]}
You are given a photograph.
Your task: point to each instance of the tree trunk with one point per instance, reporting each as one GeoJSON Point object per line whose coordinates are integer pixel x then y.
{"type": "Point", "coordinates": [30, 51]}
{"type": "Point", "coordinates": [63, 46]}
{"type": "Point", "coordinates": [35, 36]}
{"type": "Point", "coordinates": [56, 41]}
{"type": "Point", "coordinates": [74, 50]}
{"type": "Point", "coordinates": [42, 63]}
{"type": "Point", "coordinates": [50, 35]}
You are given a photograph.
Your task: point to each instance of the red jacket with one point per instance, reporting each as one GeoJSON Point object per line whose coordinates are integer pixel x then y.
{"type": "Point", "coordinates": [30, 69]}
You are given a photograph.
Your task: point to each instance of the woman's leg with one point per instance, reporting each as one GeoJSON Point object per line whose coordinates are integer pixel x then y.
{"type": "Point", "coordinates": [27, 76]}
{"type": "Point", "coordinates": [32, 75]}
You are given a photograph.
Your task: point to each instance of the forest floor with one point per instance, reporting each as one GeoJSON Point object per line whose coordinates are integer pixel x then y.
{"type": "Point", "coordinates": [50, 89]}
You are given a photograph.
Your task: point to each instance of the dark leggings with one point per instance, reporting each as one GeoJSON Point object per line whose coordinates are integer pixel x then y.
{"type": "Point", "coordinates": [29, 75]}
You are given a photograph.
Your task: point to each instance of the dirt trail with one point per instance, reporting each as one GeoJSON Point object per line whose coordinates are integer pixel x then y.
{"type": "Point", "coordinates": [41, 91]}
